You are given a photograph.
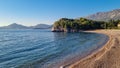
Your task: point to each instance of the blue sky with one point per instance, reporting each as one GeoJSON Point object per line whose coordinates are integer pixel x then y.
{"type": "Point", "coordinates": [32, 12]}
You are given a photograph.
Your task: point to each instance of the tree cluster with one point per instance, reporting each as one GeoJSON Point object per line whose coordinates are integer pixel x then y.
{"type": "Point", "coordinates": [84, 24]}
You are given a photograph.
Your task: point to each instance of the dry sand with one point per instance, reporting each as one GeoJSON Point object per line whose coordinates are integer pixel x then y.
{"type": "Point", "coordinates": [106, 57]}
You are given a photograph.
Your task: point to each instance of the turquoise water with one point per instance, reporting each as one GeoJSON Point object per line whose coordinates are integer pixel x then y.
{"type": "Point", "coordinates": [43, 48]}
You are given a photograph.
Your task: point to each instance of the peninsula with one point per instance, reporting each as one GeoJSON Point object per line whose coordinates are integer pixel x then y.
{"type": "Point", "coordinates": [76, 25]}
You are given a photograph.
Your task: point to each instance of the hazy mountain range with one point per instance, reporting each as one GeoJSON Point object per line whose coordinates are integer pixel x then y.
{"type": "Point", "coordinates": [41, 26]}
{"type": "Point", "coordinates": [19, 26]}
{"type": "Point", "coordinates": [105, 16]}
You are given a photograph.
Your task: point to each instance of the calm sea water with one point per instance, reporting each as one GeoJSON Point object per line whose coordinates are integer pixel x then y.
{"type": "Point", "coordinates": [43, 48]}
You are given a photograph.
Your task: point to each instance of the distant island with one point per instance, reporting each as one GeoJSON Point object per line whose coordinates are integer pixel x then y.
{"type": "Point", "coordinates": [19, 26]}
{"type": "Point", "coordinates": [100, 20]}
{"type": "Point", "coordinates": [41, 26]}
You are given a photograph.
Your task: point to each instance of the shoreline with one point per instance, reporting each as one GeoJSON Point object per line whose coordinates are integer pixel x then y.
{"type": "Point", "coordinates": [90, 60]}
{"type": "Point", "coordinates": [68, 62]}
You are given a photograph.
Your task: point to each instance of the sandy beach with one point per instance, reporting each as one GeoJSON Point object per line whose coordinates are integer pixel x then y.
{"type": "Point", "coordinates": [106, 57]}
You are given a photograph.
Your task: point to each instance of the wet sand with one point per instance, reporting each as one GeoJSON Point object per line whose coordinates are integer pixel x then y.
{"type": "Point", "coordinates": [106, 57]}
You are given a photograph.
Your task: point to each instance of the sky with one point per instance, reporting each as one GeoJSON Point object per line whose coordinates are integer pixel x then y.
{"type": "Point", "coordinates": [32, 12]}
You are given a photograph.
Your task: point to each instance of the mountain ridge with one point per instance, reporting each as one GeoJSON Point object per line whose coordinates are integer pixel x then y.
{"type": "Point", "coordinates": [105, 16]}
